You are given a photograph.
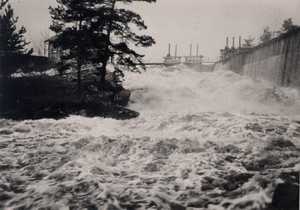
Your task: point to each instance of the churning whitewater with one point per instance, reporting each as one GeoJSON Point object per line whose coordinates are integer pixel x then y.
{"type": "Point", "coordinates": [203, 140]}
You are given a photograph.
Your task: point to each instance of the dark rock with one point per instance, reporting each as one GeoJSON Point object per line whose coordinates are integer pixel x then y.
{"type": "Point", "coordinates": [122, 97]}
{"type": "Point", "coordinates": [286, 196]}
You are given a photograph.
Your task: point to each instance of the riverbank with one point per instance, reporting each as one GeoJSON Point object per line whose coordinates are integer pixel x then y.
{"type": "Point", "coordinates": [43, 96]}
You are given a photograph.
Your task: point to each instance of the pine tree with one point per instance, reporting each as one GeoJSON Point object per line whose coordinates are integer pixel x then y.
{"type": "Point", "coordinates": [78, 41]}
{"type": "Point", "coordinates": [120, 38]}
{"type": "Point", "coordinates": [95, 32]}
{"type": "Point", "coordinates": [3, 3]}
{"type": "Point", "coordinates": [11, 39]}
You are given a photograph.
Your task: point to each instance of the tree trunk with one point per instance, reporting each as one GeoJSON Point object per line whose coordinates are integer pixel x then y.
{"type": "Point", "coordinates": [107, 56]}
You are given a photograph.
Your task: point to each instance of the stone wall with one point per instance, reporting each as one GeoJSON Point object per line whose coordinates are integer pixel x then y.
{"type": "Point", "coordinates": [277, 61]}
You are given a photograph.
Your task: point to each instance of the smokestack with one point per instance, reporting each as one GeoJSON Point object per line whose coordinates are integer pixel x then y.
{"type": "Point", "coordinates": [227, 42]}
{"type": "Point", "coordinates": [176, 50]}
{"type": "Point", "coordinates": [169, 52]}
{"type": "Point", "coordinates": [240, 41]}
{"type": "Point", "coordinates": [233, 42]}
{"type": "Point", "coordinates": [191, 49]}
{"type": "Point", "coordinates": [197, 52]}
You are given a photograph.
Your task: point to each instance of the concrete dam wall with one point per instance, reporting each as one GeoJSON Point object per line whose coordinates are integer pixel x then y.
{"type": "Point", "coordinates": [277, 61]}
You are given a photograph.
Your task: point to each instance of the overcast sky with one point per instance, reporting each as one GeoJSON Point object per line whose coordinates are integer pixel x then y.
{"type": "Point", "coordinates": [206, 22]}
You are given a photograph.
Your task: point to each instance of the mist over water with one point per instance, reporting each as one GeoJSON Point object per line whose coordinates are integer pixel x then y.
{"type": "Point", "coordinates": [181, 89]}
{"type": "Point", "coordinates": [196, 133]}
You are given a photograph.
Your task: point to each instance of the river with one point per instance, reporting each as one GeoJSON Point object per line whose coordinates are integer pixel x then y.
{"type": "Point", "coordinates": [203, 140]}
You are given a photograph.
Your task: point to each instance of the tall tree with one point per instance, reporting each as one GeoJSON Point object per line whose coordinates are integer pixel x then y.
{"type": "Point", "coordinates": [12, 40]}
{"type": "Point", "coordinates": [76, 40]}
{"type": "Point", "coordinates": [120, 37]}
{"type": "Point", "coordinates": [96, 32]}
{"type": "Point", "coordinates": [266, 36]}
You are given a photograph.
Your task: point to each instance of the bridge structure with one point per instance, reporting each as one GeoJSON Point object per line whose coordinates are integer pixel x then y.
{"type": "Point", "coordinates": [172, 60]}
{"type": "Point", "coordinates": [191, 59]}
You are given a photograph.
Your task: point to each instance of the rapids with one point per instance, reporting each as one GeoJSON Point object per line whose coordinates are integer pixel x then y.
{"type": "Point", "coordinates": [203, 140]}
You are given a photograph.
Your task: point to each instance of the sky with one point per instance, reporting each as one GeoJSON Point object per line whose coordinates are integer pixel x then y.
{"type": "Point", "coordinates": [182, 22]}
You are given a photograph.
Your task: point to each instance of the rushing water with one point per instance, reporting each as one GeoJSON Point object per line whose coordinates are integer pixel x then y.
{"type": "Point", "coordinates": [203, 140]}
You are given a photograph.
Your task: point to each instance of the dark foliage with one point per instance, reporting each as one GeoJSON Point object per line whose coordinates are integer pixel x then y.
{"type": "Point", "coordinates": [55, 97]}
{"type": "Point", "coordinates": [3, 3]}
{"type": "Point", "coordinates": [96, 32]}
{"type": "Point", "coordinates": [11, 39]}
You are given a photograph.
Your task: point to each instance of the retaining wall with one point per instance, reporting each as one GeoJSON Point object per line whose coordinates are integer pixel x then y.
{"type": "Point", "coordinates": [277, 61]}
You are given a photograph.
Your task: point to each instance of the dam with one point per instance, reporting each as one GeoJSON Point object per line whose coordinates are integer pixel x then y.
{"type": "Point", "coordinates": [276, 61]}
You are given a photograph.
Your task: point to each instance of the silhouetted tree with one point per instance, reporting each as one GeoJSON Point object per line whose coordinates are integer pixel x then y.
{"type": "Point", "coordinates": [95, 32]}
{"type": "Point", "coordinates": [120, 37]}
{"type": "Point", "coordinates": [288, 26]}
{"type": "Point", "coordinates": [77, 40]}
{"type": "Point", "coordinates": [11, 39]}
{"type": "Point", "coordinates": [266, 36]}
{"type": "Point", "coordinates": [3, 3]}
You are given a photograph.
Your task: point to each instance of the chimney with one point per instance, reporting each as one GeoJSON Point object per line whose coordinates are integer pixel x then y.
{"type": "Point", "coordinates": [197, 52]}
{"type": "Point", "coordinates": [176, 50]}
{"type": "Point", "coordinates": [233, 42]}
{"type": "Point", "coordinates": [191, 48]}
{"type": "Point", "coordinates": [240, 42]}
